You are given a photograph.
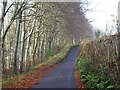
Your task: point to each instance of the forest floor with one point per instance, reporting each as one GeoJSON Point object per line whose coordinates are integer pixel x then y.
{"type": "Point", "coordinates": [58, 76]}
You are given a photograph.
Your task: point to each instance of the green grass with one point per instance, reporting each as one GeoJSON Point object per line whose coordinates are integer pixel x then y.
{"type": "Point", "coordinates": [49, 52]}
{"type": "Point", "coordinates": [56, 58]}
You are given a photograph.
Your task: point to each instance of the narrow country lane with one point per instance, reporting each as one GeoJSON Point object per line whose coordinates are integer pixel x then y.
{"type": "Point", "coordinates": [62, 76]}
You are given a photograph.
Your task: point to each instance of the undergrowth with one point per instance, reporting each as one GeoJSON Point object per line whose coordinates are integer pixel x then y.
{"type": "Point", "coordinates": [91, 75]}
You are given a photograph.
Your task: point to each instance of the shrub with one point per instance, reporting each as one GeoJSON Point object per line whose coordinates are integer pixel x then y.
{"type": "Point", "coordinates": [49, 52]}
{"type": "Point", "coordinates": [99, 62]}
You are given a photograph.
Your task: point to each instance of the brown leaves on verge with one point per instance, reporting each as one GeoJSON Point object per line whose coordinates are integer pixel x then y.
{"type": "Point", "coordinates": [32, 78]}
{"type": "Point", "coordinates": [77, 79]}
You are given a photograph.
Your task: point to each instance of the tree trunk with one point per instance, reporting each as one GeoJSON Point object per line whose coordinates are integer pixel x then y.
{"type": "Point", "coordinates": [118, 59]}
{"type": "Point", "coordinates": [28, 41]}
{"type": "Point", "coordinates": [35, 49]}
{"type": "Point", "coordinates": [23, 47]}
{"type": "Point", "coordinates": [16, 44]}
{"type": "Point", "coordinates": [39, 46]}
{"type": "Point", "coordinates": [1, 41]}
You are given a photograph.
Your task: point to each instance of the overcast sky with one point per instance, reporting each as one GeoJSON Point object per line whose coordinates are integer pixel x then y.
{"type": "Point", "coordinates": [102, 11]}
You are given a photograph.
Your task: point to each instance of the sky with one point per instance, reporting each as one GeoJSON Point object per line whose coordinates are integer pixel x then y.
{"type": "Point", "coordinates": [101, 12]}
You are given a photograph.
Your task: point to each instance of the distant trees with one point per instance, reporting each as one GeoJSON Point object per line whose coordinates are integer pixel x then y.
{"type": "Point", "coordinates": [78, 25]}
{"type": "Point", "coordinates": [98, 33]}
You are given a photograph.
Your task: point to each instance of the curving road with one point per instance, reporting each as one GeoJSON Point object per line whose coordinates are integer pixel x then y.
{"type": "Point", "coordinates": [61, 76]}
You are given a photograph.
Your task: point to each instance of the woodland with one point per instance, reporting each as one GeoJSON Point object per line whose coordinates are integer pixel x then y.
{"type": "Point", "coordinates": [37, 35]}
{"type": "Point", "coordinates": [31, 32]}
